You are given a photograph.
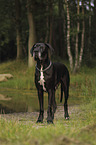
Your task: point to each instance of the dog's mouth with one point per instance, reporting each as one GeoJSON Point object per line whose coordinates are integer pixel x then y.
{"type": "Point", "coordinates": [37, 56]}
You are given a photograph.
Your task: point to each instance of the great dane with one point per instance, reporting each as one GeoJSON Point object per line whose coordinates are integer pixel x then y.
{"type": "Point", "coordinates": [48, 76]}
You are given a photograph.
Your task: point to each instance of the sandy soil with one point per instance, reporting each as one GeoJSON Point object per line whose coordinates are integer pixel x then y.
{"type": "Point", "coordinates": [32, 117]}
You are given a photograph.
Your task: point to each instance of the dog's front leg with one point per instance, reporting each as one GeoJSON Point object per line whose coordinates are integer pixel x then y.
{"type": "Point", "coordinates": [50, 103]}
{"type": "Point", "coordinates": [41, 114]}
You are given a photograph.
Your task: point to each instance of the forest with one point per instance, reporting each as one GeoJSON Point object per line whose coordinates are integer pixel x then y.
{"type": "Point", "coordinates": [69, 26]}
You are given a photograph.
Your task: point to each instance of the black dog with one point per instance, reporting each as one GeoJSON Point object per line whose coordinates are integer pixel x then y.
{"type": "Point", "coordinates": [47, 77]}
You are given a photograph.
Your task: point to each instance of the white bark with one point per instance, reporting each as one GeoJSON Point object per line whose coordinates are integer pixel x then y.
{"type": "Point", "coordinates": [82, 40]}
{"type": "Point", "coordinates": [76, 46]}
{"type": "Point", "coordinates": [68, 37]}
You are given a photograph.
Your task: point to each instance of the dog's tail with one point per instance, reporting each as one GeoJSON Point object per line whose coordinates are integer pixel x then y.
{"type": "Point", "coordinates": [61, 93]}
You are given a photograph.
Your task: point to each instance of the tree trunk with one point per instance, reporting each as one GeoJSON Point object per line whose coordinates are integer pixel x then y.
{"type": "Point", "coordinates": [51, 22]}
{"type": "Point", "coordinates": [82, 39]}
{"type": "Point", "coordinates": [64, 32]}
{"type": "Point", "coordinates": [18, 29]}
{"type": "Point", "coordinates": [60, 28]}
{"type": "Point", "coordinates": [76, 46]}
{"type": "Point", "coordinates": [89, 42]}
{"type": "Point", "coordinates": [54, 42]}
{"type": "Point", "coordinates": [94, 29]}
{"type": "Point", "coordinates": [47, 24]}
{"type": "Point", "coordinates": [32, 34]}
{"type": "Point", "coordinates": [68, 37]}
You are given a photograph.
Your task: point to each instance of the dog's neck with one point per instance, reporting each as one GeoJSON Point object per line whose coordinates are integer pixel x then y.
{"type": "Point", "coordinates": [44, 64]}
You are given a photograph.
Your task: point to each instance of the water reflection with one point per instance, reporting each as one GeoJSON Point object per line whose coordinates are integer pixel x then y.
{"type": "Point", "coordinates": [12, 100]}
{"type": "Point", "coordinates": [15, 101]}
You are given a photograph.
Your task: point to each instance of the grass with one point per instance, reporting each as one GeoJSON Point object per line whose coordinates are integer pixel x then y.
{"type": "Point", "coordinates": [80, 129]}
{"type": "Point", "coordinates": [23, 77]}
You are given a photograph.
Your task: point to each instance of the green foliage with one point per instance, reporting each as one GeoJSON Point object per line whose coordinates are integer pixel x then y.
{"type": "Point", "coordinates": [5, 22]}
{"type": "Point", "coordinates": [43, 17]}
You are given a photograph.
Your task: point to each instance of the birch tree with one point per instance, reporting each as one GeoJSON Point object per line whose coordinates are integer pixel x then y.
{"type": "Point", "coordinates": [82, 39]}
{"type": "Point", "coordinates": [78, 54]}
{"type": "Point", "coordinates": [68, 37]}
{"type": "Point", "coordinates": [76, 44]}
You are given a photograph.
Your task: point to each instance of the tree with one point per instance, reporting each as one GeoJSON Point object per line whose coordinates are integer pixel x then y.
{"type": "Point", "coordinates": [69, 26]}
{"type": "Point", "coordinates": [47, 22]}
{"type": "Point", "coordinates": [68, 37]}
{"type": "Point", "coordinates": [78, 54]}
{"type": "Point", "coordinates": [7, 31]}
{"type": "Point", "coordinates": [18, 29]}
{"type": "Point", "coordinates": [93, 38]}
{"type": "Point", "coordinates": [89, 41]}
{"type": "Point", "coordinates": [76, 44]}
{"type": "Point", "coordinates": [51, 21]}
{"type": "Point", "coordinates": [32, 33]}
{"type": "Point", "coordinates": [82, 39]}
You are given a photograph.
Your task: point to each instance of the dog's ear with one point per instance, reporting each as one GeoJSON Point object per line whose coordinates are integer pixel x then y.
{"type": "Point", "coordinates": [50, 47]}
{"type": "Point", "coordinates": [31, 51]}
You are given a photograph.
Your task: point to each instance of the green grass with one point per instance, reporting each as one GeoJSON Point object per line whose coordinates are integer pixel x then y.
{"type": "Point", "coordinates": [23, 77]}
{"type": "Point", "coordinates": [80, 129]}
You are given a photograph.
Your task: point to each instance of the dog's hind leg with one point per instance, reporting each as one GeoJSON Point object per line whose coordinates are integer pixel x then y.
{"type": "Point", "coordinates": [61, 93]}
{"type": "Point", "coordinates": [65, 104]}
{"type": "Point", "coordinates": [66, 94]}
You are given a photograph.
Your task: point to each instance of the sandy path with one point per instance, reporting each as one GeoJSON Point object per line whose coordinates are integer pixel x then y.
{"type": "Point", "coordinates": [32, 117]}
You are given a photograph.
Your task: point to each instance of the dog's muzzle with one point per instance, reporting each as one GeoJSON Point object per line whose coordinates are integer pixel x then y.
{"type": "Point", "coordinates": [37, 55]}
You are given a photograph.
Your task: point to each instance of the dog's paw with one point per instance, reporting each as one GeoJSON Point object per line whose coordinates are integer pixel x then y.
{"type": "Point", "coordinates": [50, 120]}
{"type": "Point", "coordinates": [40, 119]}
{"type": "Point", "coordinates": [67, 117]}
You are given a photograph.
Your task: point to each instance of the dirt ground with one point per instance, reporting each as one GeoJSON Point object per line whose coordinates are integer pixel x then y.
{"type": "Point", "coordinates": [32, 117]}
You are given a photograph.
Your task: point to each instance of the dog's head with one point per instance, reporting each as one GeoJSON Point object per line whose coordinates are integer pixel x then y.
{"type": "Point", "coordinates": [39, 51]}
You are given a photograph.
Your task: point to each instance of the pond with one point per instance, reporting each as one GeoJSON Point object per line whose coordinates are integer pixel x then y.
{"type": "Point", "coordinates": [13, 100]}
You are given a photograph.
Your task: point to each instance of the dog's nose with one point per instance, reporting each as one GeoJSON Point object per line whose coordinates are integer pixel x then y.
{"type": "Point", "coordinates": [36, 52]}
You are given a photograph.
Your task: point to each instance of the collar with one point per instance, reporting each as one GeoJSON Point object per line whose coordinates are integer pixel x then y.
{"type": "Point", "coordinates": [42, 70]}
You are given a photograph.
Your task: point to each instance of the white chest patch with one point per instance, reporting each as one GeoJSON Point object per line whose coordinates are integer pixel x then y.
{"type": "Point", "coordinates": [42, 79]}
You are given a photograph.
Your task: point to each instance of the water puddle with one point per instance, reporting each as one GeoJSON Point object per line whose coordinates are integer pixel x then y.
{"type": "Point", "coordinates": [12, 100]}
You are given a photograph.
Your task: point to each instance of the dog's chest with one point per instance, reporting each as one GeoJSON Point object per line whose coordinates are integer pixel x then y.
{"type": "Point", "coordinates": [42, 80]}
